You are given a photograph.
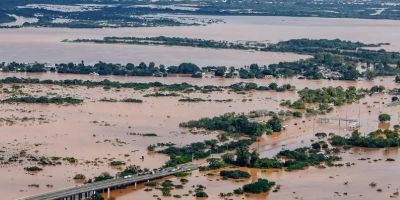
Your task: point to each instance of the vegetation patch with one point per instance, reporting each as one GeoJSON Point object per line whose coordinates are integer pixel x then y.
{"type": "Point", "coordinates": [43, 100]}
{"type": "Point", "coordinates": [376, 139]}
{"type": "Point", "coordinates": [234, 174]}
{"type": "Point", "coordinates": [260, 186]}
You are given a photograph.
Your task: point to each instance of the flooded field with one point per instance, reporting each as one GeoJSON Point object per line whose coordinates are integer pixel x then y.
{"type": "Point", "coordinates": [98, 132]}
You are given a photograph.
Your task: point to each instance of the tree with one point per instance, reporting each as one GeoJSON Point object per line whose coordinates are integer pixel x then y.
{"type": "Point", "coordinates": [254, 156]}
{"type": "Point", "coordinates": [377, 89]}
{"type": "Point", "coordinates": [215, 163]}
{"type": "Point", "coordinates": [397, 79]}
{"type": "Point", "coordinates": [275, 124]}
{"type": "Point", "coordinates": [242, 156]}
{"type": "Point", "coordinates": [188, 68]}
{"type": "Point", "coordinates": [384, 117]}
{"type": "Point", "coordinates": [273, 86]}
{"type": "Point", "coordinates": [228, 158]}
{"type": "Point", "coordinates": [220, 71]}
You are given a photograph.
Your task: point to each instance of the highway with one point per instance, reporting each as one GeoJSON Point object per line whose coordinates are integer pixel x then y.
{"type": "Point", "coordinates": [86, 190]}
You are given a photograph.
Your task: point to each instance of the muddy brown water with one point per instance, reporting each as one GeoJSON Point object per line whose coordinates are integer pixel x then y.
{"type": "Point", "coordinates": [99, 131]}
{"type": "Point", "coordinates": [96, 132]}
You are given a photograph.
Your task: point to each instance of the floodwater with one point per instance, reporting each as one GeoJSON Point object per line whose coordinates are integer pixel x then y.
{"type": "Point", "coordinates": [44, 44]}
{"type": "Point", "coordinates": [97, 132]}
{"type": "Point", "coordinates": [313, 183]}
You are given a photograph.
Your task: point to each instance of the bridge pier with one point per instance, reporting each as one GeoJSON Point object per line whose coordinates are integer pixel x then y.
{"type": "Point", "coordinates": [135, 185]}
{"type": "Point", "coordinates": [108, 193]}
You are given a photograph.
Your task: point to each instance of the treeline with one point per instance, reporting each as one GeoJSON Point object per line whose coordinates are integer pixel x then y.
{"type": "Point", "coordinates": [103, 68]}
{"type": "Point", "coordinates": [377, 139]}
{"type": "Point", "coordinates": [176, 87]}
{"type": "Point", "coordinates": [115, 84]}
{"type": "Point", "coordinates": [320, 66]}
{"type": "Point", "coordinates": [22, 67]}
{"type": "Point", "coordinates": [43, 100]}
{"type": "Point", "coordinates": [242, 86]}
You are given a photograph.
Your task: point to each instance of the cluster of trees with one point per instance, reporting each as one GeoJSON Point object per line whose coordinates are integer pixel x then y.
{"type": "Point", "coordinates": [320, 66]}
{"type": "Point", "coordinates": [22, 67]}
{"type": "Point", "coordinates": [242, 86]}
{"type": "Point", "coordinates": [236, 124]}
{"type": "Point", "coordinates": [326, 97]}
{"type": "Point", "coordinates": [260, 186]}
{"type": "Point", "coordinates": [376, 139]}
{"type": "Point", "coordinates": [199, 150]}
{"type": "Point", "coordinates": [33, 169]}
{"type": "Point", "coordinates": [335, 95]}
{"type": "Point", "coordinates": [296, 159]}
{"type": "Point", "coordinates": [103, 68]}
{"type": "Point", "coordinates": [377, 89]}
{"type": "Point", "coordinates": [234, 174]}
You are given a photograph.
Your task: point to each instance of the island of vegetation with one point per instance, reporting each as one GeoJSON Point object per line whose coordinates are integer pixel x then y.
{"type": "Point", "coordinates": [43, 100]}
{"type": "Point", "coordinates": [376, 139]}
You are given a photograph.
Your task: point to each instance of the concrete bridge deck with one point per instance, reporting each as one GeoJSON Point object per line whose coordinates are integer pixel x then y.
{"type": "Point", "coordinates": [90, 189]}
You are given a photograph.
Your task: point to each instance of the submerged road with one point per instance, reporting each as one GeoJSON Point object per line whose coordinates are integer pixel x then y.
{"type": "Point", "coordinates": [90, 189]}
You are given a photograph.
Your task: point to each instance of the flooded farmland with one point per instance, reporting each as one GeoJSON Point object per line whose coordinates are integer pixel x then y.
{"type": "Point", "coordinates": [97, 132]}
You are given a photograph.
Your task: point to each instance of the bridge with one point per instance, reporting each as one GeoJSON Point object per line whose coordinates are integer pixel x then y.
{"type": "Point", "coordinates": [87, 191]}
{"type": "Point", "coordinates": [327, 120]}
{"type": "Point", "coordinates": [352, 123]}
